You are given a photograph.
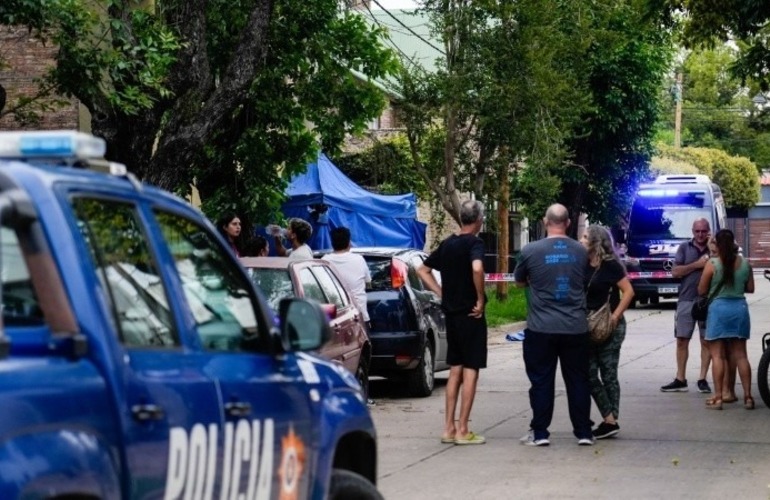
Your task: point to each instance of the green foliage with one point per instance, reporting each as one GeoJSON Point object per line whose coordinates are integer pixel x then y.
{"type": "Point", "coordinates": [510, 310]}
{"type": "Point", "coordinates": [385, 166]}
{"type": "Point", "coordinates": [737, 176]}
{"type": "Point", "coordinates": [718, 111]}
{"type": "Point", "coordinates": [628, 55]}
{"type": "Point", "coordinates": [234, 96]}
{"type": "Point", "coordinates": [744, 21]}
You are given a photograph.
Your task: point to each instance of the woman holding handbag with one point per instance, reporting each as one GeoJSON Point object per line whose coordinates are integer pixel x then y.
{"type": "Point", "coordinates": [726, 278]}
{"type": "Point", "coordinates": [605, 281]}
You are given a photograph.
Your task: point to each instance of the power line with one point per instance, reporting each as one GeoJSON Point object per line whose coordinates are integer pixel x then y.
{"type": "Point", "coordinates": [392, 43]}
{"type": "Point", "coordinates": [407, 27]}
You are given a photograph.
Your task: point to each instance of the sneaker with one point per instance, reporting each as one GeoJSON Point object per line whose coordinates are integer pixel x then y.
{"type": "Point", "coordinates": [703, 386]}
{"type": "Point", "coordinates": [586, 441]}
{"type": "Point", "coordinates": [606, 430]}
{"type": "Point", "coordinates": [529, 440]}
{"type": "Point", "coordinates": [675, 386]}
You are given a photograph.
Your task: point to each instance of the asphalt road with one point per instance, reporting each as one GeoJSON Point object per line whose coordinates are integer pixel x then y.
{"type": "Point", "coordinates": [669, 445]}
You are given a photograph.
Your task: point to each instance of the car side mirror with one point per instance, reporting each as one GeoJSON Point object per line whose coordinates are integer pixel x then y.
{"type": "Point", "coordinates": [304, 326]}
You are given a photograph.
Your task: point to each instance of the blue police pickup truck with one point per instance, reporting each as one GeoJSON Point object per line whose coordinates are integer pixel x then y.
{"type": "Point", "coordinates": [137, 360]}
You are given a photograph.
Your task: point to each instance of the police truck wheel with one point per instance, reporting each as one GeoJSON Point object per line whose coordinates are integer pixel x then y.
{"type": "Point", "coordinates": [346, 485]}
{"type": "Point", "coordinates": [762, 377]}
{"type": "Point", "coordinates": [420, 380]}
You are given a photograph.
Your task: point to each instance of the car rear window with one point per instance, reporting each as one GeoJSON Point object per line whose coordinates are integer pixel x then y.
{"type": "Point", "coordinates": [379, 268]}
{"type": "Point", "coordinates": [275, 283]}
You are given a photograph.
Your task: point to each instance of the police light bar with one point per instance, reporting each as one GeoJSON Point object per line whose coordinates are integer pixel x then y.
{"type": "Point", "coordinates": [51, 144]}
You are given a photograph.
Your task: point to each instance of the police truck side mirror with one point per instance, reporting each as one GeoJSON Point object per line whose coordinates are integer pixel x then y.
{"type": "Point", "coordinates": [304, 325]}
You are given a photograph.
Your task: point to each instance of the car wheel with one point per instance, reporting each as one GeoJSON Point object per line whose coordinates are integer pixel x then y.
{"type": "Point", "coordinates": [362, 375]}
{"type": "Point", "coordinates": [346, 484]}
{"type": "Point", "coordinates": [420, 380]}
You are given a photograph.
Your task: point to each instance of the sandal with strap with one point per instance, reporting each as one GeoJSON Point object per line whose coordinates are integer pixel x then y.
{"type": "Point", "coordinates": [748, 403]}
{"type": "Point", "coordinates": [470, 438]}
{"type": "Point", "coordinates": [714, 403]}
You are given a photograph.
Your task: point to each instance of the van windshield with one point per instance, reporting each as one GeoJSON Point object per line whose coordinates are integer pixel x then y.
{"type": "Point", "coordinates": [659, 216]}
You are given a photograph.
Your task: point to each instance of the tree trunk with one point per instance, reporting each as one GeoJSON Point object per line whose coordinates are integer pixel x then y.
{"type": "Point", "coordinates": [503, 202]}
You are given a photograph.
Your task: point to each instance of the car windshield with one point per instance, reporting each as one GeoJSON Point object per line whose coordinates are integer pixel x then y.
{"type": "Point", "coordinates": [275, 283]}
{"type": "Point", "coordinates": [666, 217]}
{"type": "Point", "coordinates": [379, 268]}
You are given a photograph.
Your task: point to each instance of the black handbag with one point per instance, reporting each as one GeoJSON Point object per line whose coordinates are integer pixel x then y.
{"type": "Point", "coordinates": [700, 309]}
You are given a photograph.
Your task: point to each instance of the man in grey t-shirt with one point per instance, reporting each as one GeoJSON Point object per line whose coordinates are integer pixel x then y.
{"type": "Point", "coordinates": [557, 331]}
{"type": "Point", "coordinates": [690, 258]}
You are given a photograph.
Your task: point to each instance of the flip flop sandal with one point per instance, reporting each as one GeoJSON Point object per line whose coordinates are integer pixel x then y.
{"type": "Point", "coordinates": [448, 440]}
{"type": "Point", "coordinates": [471, 438]}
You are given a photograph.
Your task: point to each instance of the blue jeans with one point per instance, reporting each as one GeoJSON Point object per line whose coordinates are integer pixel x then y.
{"type": "Point", "coordinates": [541, 353]}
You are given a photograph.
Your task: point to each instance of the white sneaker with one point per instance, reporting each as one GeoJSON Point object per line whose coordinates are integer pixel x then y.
{"type": "Point", "coordinates": [586, 441]}
{"type": "Point", "coordinates": [529, 440]}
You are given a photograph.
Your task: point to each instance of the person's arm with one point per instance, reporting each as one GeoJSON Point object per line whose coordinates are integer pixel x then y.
{"type": "Point", "coordinates": [682, 270]}
{"type": "Point", "coordinates": [705, 279]}
{"type": "Point", "coordinates": [750, 282]}
{"type": "Point", "coordinates": [478, 283]}
{"type": "Point", "coordinates": [627, 295]}
{"type": "Point", "coordinates": [426, 275]}
{"type": "Point", "coordinates": [519, 274]}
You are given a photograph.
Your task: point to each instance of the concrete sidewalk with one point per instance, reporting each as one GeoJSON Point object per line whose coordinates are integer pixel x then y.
{"type": "Point", "coordinates": [669, 445]}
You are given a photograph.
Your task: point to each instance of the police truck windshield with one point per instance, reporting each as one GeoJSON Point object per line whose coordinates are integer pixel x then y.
{"type": "Point", "coordinates": [657, 214]}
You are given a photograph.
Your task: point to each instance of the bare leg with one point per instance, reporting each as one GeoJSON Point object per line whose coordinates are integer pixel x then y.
{"type": "Point", "coordinates": [728, 387]}
{"type": "Point", "coordinates": [470, 378]}
{"type": "Point", "coordinates": [744, 368]}
{"type": "Point", "coordinates": [452, 391]}
{"type": "Point", "coordinates": [705, 357]}
{"type": "Point", "coordinates": [717, 349]}
{"type": "Point", "coordinates": [682, 348]}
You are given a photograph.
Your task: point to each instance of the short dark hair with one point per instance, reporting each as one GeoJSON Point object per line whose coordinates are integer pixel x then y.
{"type": "Point", "coordinates": [301, 229]}
{"type": "Point", "coordinates": [340, 238]}
{"type": "Point", "coordinates": [254, 246]}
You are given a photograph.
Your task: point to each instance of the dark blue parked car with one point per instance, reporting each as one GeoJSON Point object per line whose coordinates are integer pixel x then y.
{"type": "Point", "coordinates": [408, 328]}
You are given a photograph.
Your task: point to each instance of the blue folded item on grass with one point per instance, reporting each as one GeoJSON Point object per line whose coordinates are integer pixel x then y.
{"type": "Point", "coordinates": [515, 337]}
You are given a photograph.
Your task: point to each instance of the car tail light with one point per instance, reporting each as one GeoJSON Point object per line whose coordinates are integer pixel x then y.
{"type": "Point", "coordinates": [397, 273]}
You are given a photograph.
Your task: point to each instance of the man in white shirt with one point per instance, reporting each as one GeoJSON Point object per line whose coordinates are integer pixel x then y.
{"type": "Point", "coordinates": [351, 268]}
{"type": "Point", "coordinates": [298, 232]}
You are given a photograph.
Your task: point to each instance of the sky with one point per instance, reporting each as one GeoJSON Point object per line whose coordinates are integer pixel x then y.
{"type": "Point", "coordinates": [395, 4]}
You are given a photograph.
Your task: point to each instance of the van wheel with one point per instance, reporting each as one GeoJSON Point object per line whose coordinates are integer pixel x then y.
{"type": "Point", "coordinates": [420, 380]}
{"type": "Point", "coordinates": [346, 484]}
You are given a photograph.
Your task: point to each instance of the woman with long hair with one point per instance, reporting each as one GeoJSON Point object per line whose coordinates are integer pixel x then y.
{"type": "Point", "coordinates": [726, 278]}
{"type": "Point", "coordinates": [229, 225]}
{"type": "Point", "coordinates": [606, 280]}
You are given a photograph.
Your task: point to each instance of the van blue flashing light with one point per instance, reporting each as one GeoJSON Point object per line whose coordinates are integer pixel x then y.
{"type": "Point", "coordinates": [51, 144]}
{"type": "Point", "coordinates": [658, 193]}
{"type": "Point", "coordinates": [668, 193]}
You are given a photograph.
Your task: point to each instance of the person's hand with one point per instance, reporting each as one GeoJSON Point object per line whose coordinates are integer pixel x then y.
{"type": "Point", "coordinates": [273, 230]}
{"type": "Point", "coordinates": [478, 309]}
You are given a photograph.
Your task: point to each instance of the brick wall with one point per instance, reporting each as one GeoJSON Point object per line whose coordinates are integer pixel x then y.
{"type": "Point", "coordinates": [29, 59]}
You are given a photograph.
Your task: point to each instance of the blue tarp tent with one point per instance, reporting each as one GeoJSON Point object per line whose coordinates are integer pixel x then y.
{"type": "Point", "coordinates": [373, 219]}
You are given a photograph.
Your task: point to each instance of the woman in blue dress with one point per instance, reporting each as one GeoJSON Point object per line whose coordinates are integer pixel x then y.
{"type": "Point", "coordinates": [726, 278]}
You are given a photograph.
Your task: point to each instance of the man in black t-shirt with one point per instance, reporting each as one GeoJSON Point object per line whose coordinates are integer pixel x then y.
{"type": "Point", "coordinates": [459, 259]}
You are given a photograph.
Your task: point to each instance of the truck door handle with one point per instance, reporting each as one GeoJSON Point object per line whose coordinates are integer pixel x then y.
{"type": "Point", "coordinates": [143, 413]}
{"type": "Point", "coordinates": [237, 409]}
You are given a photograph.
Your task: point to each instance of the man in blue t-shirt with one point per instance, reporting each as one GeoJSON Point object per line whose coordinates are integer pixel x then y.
{"type": "Point", "coordinates": [460, 260]}
{"type": "Point", "coordinates": [557, 330]}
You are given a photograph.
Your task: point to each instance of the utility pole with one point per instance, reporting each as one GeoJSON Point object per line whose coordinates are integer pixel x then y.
{"type": "Point", "coordinates": [678, 113]}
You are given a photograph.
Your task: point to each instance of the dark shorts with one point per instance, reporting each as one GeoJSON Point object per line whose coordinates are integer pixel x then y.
{"type": "Point", "coordinates": [466, 341]}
